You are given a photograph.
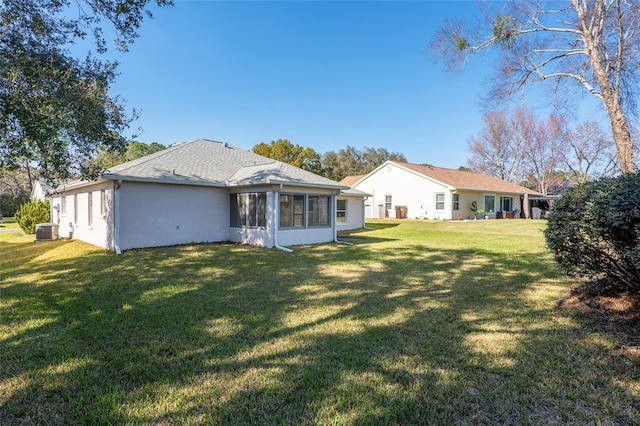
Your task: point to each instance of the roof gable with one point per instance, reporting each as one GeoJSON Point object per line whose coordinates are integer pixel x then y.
{"type": "Point", "coordinates": [212, 163]}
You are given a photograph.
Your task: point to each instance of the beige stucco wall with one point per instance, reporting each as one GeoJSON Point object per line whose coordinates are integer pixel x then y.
{"type": "Point", "coordinates": [153, 215]}
{"type": "Point", "coordinates": [467, 197]}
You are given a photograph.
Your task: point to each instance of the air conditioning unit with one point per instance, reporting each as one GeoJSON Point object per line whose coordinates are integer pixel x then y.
{"type": "Point", "coordinates": [46, 231]}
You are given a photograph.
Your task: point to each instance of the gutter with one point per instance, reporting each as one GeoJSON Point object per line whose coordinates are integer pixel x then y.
{"type": "Point", "coordinates": [116, 215]}
{"type": "Point", "coordinates": [277, 222]}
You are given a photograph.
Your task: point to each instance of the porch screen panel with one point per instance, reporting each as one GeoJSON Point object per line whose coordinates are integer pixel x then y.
{"type": "Point", "coordinates": [318, 210]}
{"type": "Point", "coordinates": [286, 211]}
{"type": "Point", "coordinates": [298, 211]}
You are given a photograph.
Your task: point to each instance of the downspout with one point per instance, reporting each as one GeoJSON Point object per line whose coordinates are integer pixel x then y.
{"type": "Point", "coordinates": [116, 215]}
{"type": "Point", "coordinates": [335, 222]}
{"type": "Point", "coordinates": [276, 221]}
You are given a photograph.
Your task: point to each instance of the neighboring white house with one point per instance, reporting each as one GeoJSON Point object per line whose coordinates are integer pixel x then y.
{"type": "Point", "coordinates": [205, 191]}
{"type": "Point", "coordinates": [39, 191]}
{"type": "Point", "coordinates": [403, 190]}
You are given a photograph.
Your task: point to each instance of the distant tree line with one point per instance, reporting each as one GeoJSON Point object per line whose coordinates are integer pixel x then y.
{"type": "Point", "coordinates": [335, 165]}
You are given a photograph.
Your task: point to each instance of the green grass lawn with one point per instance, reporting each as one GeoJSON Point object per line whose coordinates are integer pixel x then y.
{"type": "Point", "coordinates": [415, 323]}
{"type": "Point", "coordinates": [9, 229]}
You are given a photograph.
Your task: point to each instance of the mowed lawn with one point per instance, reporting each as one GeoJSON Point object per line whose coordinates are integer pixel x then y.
{"type": "Point", "coordinates": [415, 323]}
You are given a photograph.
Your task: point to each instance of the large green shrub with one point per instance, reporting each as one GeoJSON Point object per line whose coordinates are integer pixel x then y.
{"type": "Point", "coordinates": [594, 233]}
{"type": "Point", "coordinates": [32, 213]}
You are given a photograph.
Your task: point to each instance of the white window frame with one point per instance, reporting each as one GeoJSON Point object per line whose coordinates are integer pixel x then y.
{"type": "Point", "coordinates": [341, 214]}
{"type": "Point", "coordinates": [440, 202]}
{"type": "Point", "coordinates": [455, 202]}
{"type": "Point", "coordinates": [388, 202]}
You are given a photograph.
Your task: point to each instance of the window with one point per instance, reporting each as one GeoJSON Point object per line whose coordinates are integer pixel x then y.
{"type": "Point", "coordinates": [90, 208]}
{"type": "Point", "coordinates": [506, 204]}
{"type": "Point", "coordinates": [489, 203]}
{"type": "Point", "coordinates": [440, 201]}
{"type": "Point", "coordinates": [455, 201]}
{"type": "Point", "coordinates": [103, 203]}
{"type": "Point", "coordinates": [249, 210]}
{"type": "Point", "coordinates": [75, 209]}
{"type": "Point", "coordinates": [387, 202]}
{"type": "Point", "coordinates": [318, 211]}
{"type": "Point", "coordinates": [341, 211]}
{"type": "Point", "coordinates": [300, 211]}
{"type": "Point", "coordinates": [63, 205]}
{"type": "Point", "coordinates": [291, 211]}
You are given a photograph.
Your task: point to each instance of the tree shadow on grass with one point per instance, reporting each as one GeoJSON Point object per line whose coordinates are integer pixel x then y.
{"type": "Point", "coordinates": [231, 334]}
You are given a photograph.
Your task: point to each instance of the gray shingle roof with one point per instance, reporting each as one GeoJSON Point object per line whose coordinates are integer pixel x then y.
{"type": "Point", "coordinates": [212, 163]}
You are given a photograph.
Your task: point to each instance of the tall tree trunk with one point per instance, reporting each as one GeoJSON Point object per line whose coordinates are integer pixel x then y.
{"type": "Point", "coordinates": [621, 136]}
{"type": "Point", "coordinates": [592, 38]}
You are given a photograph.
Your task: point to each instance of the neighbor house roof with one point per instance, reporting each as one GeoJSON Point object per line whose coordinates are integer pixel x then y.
{"type": "Point", "coordinates": [351, 180]}
{"type": "Point", "coordinates": [462, 179]}
{"type": "Point", "coordinates": [458, 179]}
{"type": "Point", "coordinates": [212, 163]}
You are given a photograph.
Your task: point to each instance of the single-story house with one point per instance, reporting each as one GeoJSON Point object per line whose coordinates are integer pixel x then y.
{"type": "Point", "coordinates": [205, 191]}
{"type": "Point", "coordinates": [39, 191]}
{"type": "Point", "coordinates": [404, 190]}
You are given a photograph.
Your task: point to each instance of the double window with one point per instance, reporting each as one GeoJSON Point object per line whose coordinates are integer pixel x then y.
{"type": "Point", "coordinates": [249, 210]}
{"type": "Point", "coordinates": [301, 211]}
{"type": "Point", "coordinates": [506, 204]}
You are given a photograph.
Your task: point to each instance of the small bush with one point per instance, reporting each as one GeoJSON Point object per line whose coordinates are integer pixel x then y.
{"type": "Point", "coordinates": [594, 233]}
{"type": "Point", "coordinates": [31, 214]}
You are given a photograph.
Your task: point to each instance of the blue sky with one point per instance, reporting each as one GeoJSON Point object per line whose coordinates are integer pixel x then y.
{"type": "Point", "coordinates": [321, 74]}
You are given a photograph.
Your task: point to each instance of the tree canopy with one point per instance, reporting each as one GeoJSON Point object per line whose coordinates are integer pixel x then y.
{"type": "Point", "coordinates": [285, 151]}
{"type": "Point", "coordinates": [55, 109]}
{"type": "Point", "coordinates": [334, 165]}
{"type": "Point", "coordinates": [106, 159]}
{"type": "Point", "coordinates": [588, 44]}
{"type": "Point", "coordinates": [350, 161]}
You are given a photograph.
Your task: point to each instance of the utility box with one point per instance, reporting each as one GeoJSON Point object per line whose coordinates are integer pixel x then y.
{"type": "Point", "coordinates": [46, 231]}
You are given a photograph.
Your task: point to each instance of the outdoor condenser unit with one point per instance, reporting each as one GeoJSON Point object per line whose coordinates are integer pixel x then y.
{"type": "Point", "coordinates": [46, 231]}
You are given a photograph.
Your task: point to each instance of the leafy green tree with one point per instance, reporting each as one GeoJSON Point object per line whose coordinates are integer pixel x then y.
{"type": "Point", "coordinates": [351, 161]}
{"type": "Point", "coordinates": [594, 233]}
{"type": "Point", "coordinates": [31, 214]}
{"type": "Point", "coordinates": [55, 109]}
{"type": "Point", "coordinates": [589, 44]}
{"type": "Point", "coordinates": [285, 151]}
{"type": "Point", "coordinates": [106, 159]}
